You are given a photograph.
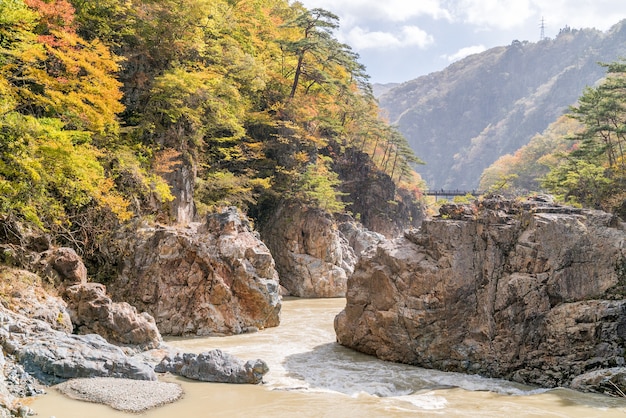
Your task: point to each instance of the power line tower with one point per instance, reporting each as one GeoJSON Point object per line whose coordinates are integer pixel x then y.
{"type": "Point", "coordinates": [542, 36]}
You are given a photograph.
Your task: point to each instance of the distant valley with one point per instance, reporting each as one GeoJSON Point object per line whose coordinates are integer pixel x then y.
{"type": "Point", "coordinates": [461, 119]}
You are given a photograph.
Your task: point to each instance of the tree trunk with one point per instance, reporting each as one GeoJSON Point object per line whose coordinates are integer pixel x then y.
{"type": "Point", "coordinates": [296, 77]}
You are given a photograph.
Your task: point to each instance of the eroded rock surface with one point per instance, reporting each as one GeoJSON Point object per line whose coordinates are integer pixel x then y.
{"type": "Point", "coordinates": [210, 278]}
{"type": "Point", "coordinates": [527, 291]}
{"type": "Point", "coordinates": [52, 355]}
{"type": "Point", "coordinates": [312, 256]}
{"type": "Point", "coordinates": [84, 307]}
{"type": "Point", "coordinates": [359, 238]}
{"type": "Point", "coordinates": [213, 366]}
{"type": "Point", "coordinates": [93, 312]}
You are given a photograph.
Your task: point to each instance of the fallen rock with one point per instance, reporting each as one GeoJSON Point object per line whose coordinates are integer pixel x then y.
{"type": "Point", "coordinates": [204, 279]}
{"type": "Point", "coordinates": [93, 312]}
{"type": "Point", "coordinates": [608, 381]}
{"type": "Point", "coordinates": [312, 257]}
{"type": "Point", "coordinates": [122, 394]}
{"type": "Point", "coordinates": [528, 291]}
{"type": "Point", "coordinates": [213, 366]}
{"type": "Point", "coordinates": [63, 266]}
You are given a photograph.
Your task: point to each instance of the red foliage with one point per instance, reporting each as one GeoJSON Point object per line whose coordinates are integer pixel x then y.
{"type": "Point", "coordinates": [55, 14]}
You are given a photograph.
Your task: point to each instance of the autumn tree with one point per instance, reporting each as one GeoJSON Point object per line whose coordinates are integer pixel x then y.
{"type": "Point", "coordinates": [52, 95]}
{"type": "Point", "coordinates": [522, 171]}
{"type": "Point", "coordinates": [248, 93]}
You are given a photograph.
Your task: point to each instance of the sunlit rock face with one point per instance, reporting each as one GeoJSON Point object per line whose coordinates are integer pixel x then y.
{"type": "Point", "coordinates": [215, 277]}
{"type": "Point", "coordinates": [312, 256]}
{"type": "Point", "coordinates": [528, 291]}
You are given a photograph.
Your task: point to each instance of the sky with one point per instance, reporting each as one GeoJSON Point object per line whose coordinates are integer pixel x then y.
{"type": "Point", "coordinates": [399, 40]}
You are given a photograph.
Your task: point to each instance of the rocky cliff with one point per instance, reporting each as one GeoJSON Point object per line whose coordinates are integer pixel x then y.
{"type": "Point", "coordinates": [527, 291]}
{"type": "Point", "coordinates": [56, 325]}
{"type": "Point", "coordinates": [214, 277]}
{"type": "Point", "coordinates": [372, 195]}
{"type": "Point", "coordinates": [314, 252]}
{"type": "Point", "coordinates": [312, 256]}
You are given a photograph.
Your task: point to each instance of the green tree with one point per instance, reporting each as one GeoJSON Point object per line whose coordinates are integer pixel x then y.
{"type": "Point", "coordinates": [318, 186]}
{"type": "Point", "coordinates": [594, 172]}
{"type": "Point", "coordinates": [49, 173]}
{"type": "Point", "coordinates": [313, 41]}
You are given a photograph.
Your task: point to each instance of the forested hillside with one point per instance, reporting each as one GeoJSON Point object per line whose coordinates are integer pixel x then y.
{"type": "Point", "coordinates": [580, 157]}
{"type": "Point", "coordinates": [460, 120]}
{"type": "Point", "coordinates": [168, 109]}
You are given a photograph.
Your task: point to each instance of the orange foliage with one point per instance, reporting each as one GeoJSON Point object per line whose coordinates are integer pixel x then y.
{"type": "Point", "coordinates": [166, 161]}
{"type": "Point", "coordinates": [54, 15]}
{"type": "Point", "coordinates": [68, 77]}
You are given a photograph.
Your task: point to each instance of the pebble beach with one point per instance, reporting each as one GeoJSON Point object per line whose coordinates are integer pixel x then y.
{"type": "Point", "coordinates": [122, 394]}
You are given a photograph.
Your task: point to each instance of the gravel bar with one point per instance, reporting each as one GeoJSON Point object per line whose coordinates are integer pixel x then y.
{"type": "Point", "coordinates": [122, 394]}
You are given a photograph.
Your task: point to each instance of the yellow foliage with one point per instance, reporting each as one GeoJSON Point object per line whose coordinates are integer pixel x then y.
{"type": "Point", "coordinates": [302, 157]}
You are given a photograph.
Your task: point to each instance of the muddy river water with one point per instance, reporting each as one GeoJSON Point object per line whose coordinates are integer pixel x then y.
{"type": "Point", "coordinates": [312, 376]}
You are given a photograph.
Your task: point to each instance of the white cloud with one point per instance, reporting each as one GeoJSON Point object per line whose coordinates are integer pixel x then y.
{"type": "Point", "coordinates": [601, 14]}
{"type": "Point", "coordinates": [384, 27]}
{"type": "Point", "coordinates": [499, 14]}
{"type": "Point", "coordinates": [464, 52]}
{"type": "Point", "coordinates": [361, 39]}
{"type": "Point", "coordinates": [509, 14]}
{"type": "Point", "coordinates": [387, 10]}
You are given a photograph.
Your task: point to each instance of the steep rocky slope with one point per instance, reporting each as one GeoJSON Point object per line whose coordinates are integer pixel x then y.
{"type": "Point", "coordinates": [315, 253]}
{"type": "Point", "coordinates": [372, 195]}
{"type": "Point", "coordinates": [525, 291]}
{"type": "Point", "coordinates": [461, 119]}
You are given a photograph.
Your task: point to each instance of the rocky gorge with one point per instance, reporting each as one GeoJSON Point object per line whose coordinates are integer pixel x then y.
{"type": "Point", "coordinates": [314, 253]}
{"type": "Point", "coordinates": [527, 290]}
{"type": "Point", "coordinates": [214, 277]}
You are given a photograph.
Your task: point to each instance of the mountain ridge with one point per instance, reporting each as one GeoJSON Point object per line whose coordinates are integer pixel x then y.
{"type": "Point", "coordinates": [462, 118]}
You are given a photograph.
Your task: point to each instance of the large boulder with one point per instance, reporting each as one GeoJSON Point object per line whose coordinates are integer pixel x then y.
{"type": "Point", "coordinates": [312, 257]}
{"type": "Point", "coordinates": [211, 278]}
{"type": "Point", "coordinates": [213, 366]}
{"type": "Point", "coordinates": [527, 291]}
{"type": "Point", "coordinates": [93, 312]}
{"type": "Point", "coordinates": [63, 266]}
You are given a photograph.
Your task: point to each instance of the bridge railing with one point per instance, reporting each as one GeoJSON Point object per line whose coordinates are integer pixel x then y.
{"type": "Point", "coordinates": [456, 192]}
